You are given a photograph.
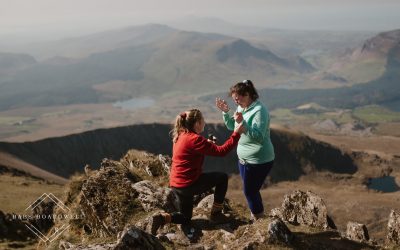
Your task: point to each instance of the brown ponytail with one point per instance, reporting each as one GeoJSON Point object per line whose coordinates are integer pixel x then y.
{"type": "Point", "coordinates": [185, 122]}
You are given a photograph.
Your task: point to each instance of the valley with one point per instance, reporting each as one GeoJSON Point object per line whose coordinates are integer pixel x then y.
{"type": "Point", "coordinates": [333, 98]}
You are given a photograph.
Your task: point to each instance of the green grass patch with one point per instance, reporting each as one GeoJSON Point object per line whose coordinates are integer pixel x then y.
{"type": "Point", "coordinates": [282, 113]}
{"type": "Point", "coordinates": [9, 120]}
{"type": "Point", "coordinates": [56, 113]}
{"type": "Point", "coordinates": [376, 114]}
{"type": "Point", "coordinates": [344, 117]}
{"type": "Point", "coordinates": [283, 116]}
{"type": "Point", "coordinates": [365, 71]}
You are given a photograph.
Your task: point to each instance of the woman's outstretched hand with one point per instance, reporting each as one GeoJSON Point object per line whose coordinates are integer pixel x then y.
{"type": "Point", "coordinates": [240, 128]}
{"type": "Point", "coordinates": [221, 104]}
{"type": "Point", "coordinates": [238, 116]}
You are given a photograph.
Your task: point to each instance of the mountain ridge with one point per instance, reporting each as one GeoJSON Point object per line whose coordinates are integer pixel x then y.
{"type": "Point", "coordinates": [296, 154]}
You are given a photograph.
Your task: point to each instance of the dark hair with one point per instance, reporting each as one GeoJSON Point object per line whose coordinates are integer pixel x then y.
{"type": "Point", "coordinates": [244, 88]}
{"type": "Point", "coordinates": [184, 122]}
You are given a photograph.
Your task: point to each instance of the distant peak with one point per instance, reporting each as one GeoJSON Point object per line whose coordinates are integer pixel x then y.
{"type": "Point", "coordinates": [382, 42]}
{"type": "Point", "coordinates": [242, 49]}
{"type": "Point", "coordinates": [240, 42]}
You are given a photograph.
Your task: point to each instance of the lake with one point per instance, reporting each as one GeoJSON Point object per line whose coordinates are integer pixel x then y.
{"type": "Point", "coordinates": [386, 184]}
{"type": "Point", "coordinates": [135, 103]}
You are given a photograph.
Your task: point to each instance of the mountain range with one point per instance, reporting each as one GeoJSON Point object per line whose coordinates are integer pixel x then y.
{"type": "Point", "coordinates": [150, 60]}
{"type": "Point", "coordinates": [384, 90]}
{"type": "Point", "coordinates": [159, 61]}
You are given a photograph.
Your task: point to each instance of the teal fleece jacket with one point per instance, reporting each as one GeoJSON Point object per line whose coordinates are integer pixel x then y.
{"type": "Point", "coordinates": [255, 146]}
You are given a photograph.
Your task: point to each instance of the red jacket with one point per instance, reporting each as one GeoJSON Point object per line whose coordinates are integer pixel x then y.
{"type": "Point", "coordinates": [188, 156]}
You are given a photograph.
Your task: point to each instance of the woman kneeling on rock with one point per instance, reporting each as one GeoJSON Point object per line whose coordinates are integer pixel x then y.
{"type": "Point", "coordinates": [187, 178]}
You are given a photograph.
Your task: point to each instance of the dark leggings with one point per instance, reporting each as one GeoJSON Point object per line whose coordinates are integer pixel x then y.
{"type": "Point", "coordinates": [185, 195]}
{"type": "Point", "coordinates": [253, 176]}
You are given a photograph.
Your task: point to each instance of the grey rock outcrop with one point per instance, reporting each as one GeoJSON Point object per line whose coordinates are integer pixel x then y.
{"type": "Point", "coordinates": [279, 233]}
{"type": "Point", "coordinates": [304, 208]}
{"type": "Point", "coordinates": [276, 213]}
{"type": "Point", "coordinates": [134, 238]}
{"type": "Point", "coordinates": [65, 245]}
{"type": "Point", "coordinates": [206, 202]}
{"type": "Point", "coordinates": [394, 227]}
{"type": "Point", "coordinates": [130, 238]}
{"type": "Point", "coordinates": [259, 234]}
{"type": "Point", "coordinates": [153, 197]}
{"type": "Point", "coordinates": [120, 199]}
{"type": "Point", "coordinates": [356, 231]}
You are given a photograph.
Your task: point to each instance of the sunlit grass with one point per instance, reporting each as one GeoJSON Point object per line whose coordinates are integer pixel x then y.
{"type": "Point", "coordinates": [56, 113]}
{"type": "Point", "coordinates": [18, 192]}
{"type": "Point", "coordinates": [365, 71]}
{"type": "Point", "coordinates": [344, 117]}
{"type": "Point", "coordinates": [9, 120]}
{"type": "Point", "coordinates": [376, 114]}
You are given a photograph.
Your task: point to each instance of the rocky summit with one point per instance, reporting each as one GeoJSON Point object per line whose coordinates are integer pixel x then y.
{"type": "Point", "coordinates": [115, 205]}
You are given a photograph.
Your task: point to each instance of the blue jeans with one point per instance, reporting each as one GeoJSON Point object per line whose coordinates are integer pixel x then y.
{"type": "Point", "coordinates": [253, 177]}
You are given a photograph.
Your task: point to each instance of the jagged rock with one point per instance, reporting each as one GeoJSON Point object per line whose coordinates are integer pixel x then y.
{"type": "Point", "coordinates": [65, 245]}
{"type": "Point", "coordinates": [106, 198]}
{"type": "Point", "coordinates": [134, 238]}
{"type": "Point", "coordinates": [356, 231]}
{"type": "Point", "coordinates": [250, 236]}
{"type": "Point", "coordinates": [207, 202]}
{"type": "Point", "coordinates": [130, 238]}
{"type": "Point", "coordinates": [146, 224]}
{"type": "Point", "coordinates": [394, 227]}
{"type": "Point", "coordinates": [279, 232]}
{"type": "Point", "coordinates": [152, 197]}
{"type": "Point", "coordinates": [276, 213]}
{"type": "Point", "coordinates": [151, 164]}
{"type": "Point", "coordinates": [306, 208]}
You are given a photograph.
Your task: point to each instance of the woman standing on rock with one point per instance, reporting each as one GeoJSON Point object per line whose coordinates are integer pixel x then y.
{"type": "Point", "coordinates": [255, 150]}
{"type": "Point", "coordinates": [186, 177]}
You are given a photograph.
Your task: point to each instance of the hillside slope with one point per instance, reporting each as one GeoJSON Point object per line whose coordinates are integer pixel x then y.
{"type": "Point", "coordinates": [368, 61]}
{"type": "Point", "coordinates": [296, 154]}
{"type": "Point", "coordinates": [10, 163]}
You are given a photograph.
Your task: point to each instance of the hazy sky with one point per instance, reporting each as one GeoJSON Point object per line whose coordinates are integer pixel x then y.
{"type": "Point", "coordinates": [69, 16]}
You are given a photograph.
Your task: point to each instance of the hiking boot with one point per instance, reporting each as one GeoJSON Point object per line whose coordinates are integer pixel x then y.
{"type": "Point", "coordinates": [188, 230]}
{"type": "Point", "coordinates": [192, 233]}
{"type": "Point", "coordinates": [156, 221]}
{"type": "Point", "coordinates": [219, 218]}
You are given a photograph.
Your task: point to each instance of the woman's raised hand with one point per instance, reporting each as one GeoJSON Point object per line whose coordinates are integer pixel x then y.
{"type": "Point", "coordinates": [238, 116]}
{"type": "Point", "coordinates": [221, 104]}
{"type": "Point", "coordinates": [240, 128]}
